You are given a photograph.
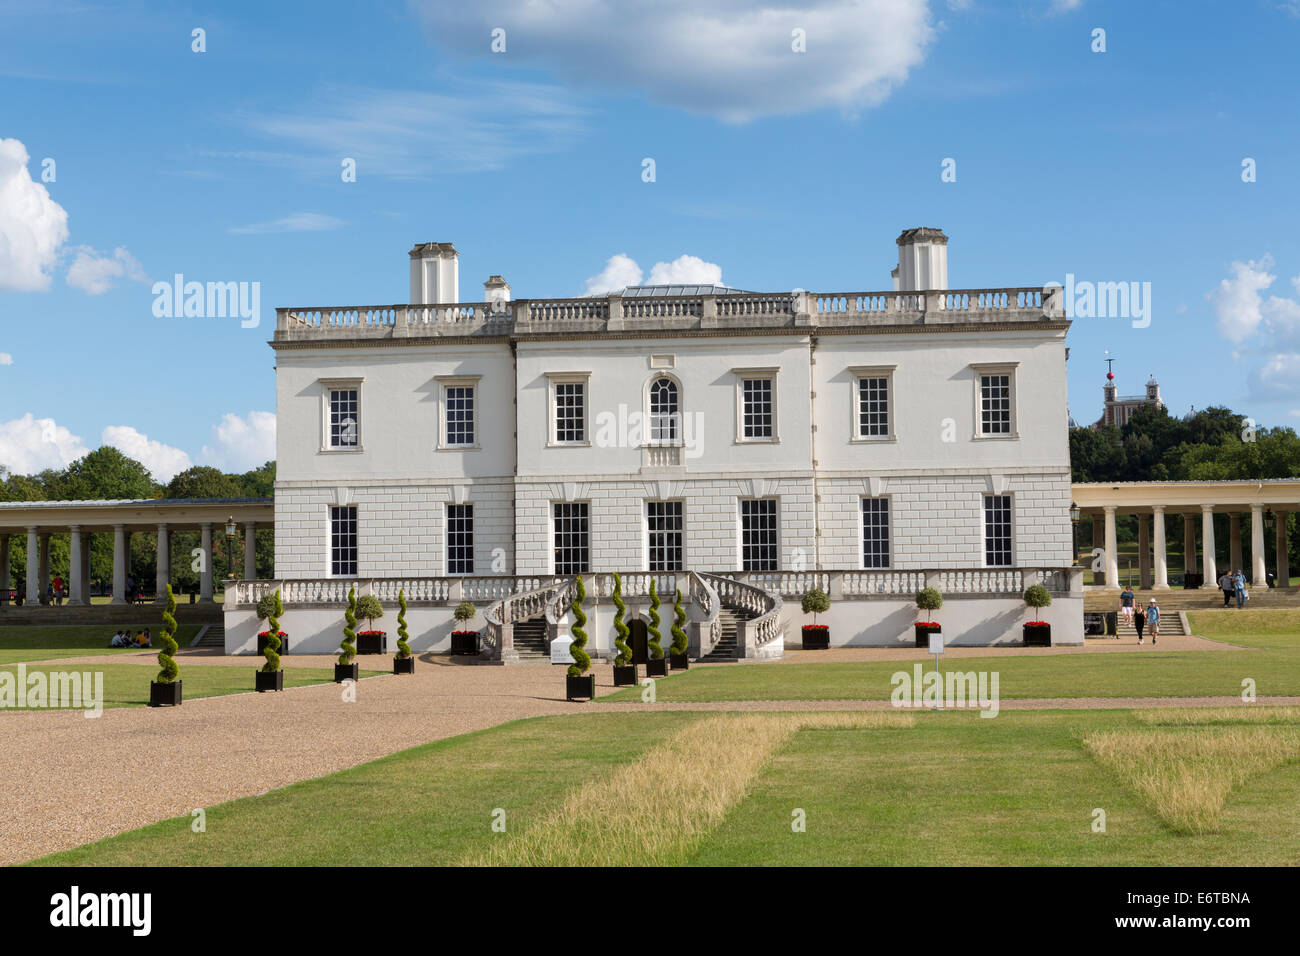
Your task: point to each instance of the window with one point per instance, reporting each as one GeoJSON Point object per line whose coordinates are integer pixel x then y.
{"type": "Point", "coordinates": [664, 418]}
{"type": "Point", "coordinates": [875, 532]}
{"type": "Point", "coordinates": [569, 404]}
{"type": "Point", "coordinates": [459, 404]}
{"type": "Point", "coordinates": [758, 544]}
{"type": "Point", "coordinates": [345, 422]}
{"type": "Point", "coordinates": [343, 541]}
{"type": "Point", "coordinates": [460, 539]}
{"type": "Point", "coordinates": [756, 408]}
{"type": "Point", "coordinates": [997, 531]}
{"type": "Point", "coordinates": [995, 401]}
{"type": "Point", "coordinates": [664, 527]}
{"type": "Point", "coordinates": [572, 544]}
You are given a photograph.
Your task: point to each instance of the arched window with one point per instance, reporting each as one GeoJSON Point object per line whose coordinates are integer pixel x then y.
{"type": "Point", "coordinates": [664, 427]}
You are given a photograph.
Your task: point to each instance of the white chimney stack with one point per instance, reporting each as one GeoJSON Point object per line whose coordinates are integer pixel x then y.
{"type": "Point", "coordinates": [922, 260]}
{"type": "Point", "coordinates": [496, 291]}
{"type": "Point", "coordinates": [435, 274]}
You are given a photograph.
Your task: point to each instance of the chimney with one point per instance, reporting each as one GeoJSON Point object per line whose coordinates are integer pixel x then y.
{"type": "Point", "coordinates": [435, 274]}
{"type": "Point", "coordinates": [922, 260]}
{"type": "Point", "coordinates": [496, 291]}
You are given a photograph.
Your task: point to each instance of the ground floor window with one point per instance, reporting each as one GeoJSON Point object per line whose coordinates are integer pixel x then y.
{"type": "Point", "coordinates": [997, 531]}
{"type": "Point", "coordinates": [758, 537]}
{"type": "Point", "coordinates": [343, 541]}
{"type": "Point", "coordinates": [875, 532]}
{"type": "Point", "coordinates": [572, 538]}
{"type": "Point", "coordinates": [460, 539]}
{"type": "Point", "coordinates": [664, 526]}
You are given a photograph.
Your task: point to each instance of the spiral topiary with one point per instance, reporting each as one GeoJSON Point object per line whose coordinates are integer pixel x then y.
{"type": "Point", "coordinates": [652, 644]}
{"type": "Point", "coordinates": [621, 631]}
{"type": "Point", "coordinates": [349, 645]}
{"type": "Point", "coordinates": [403, 648]}
{"type": "Point", "coordinates": [166, 660]}
{"type": "Point", "coordinates": [272, 650]}
{"type": "Point", "coordinates": [581, 659]}
{"type": "Point", "coordinates": [679, 618]}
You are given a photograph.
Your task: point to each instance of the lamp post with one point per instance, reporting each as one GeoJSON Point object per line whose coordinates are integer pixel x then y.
{"type": "Point", "coordinates": [1074, 533]}
{"type": "Point", "coordinates": [231, 529]}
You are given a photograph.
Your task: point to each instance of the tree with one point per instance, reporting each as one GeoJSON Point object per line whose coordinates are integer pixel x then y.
{"type": "Point", "coordinates": [403, 648]}
{"type": "Point", "coordinates": [653, 645]}
{"type": "Point", "coordinates": [621, 631]}
{"type": "Point", "coordinates": [581, 659]}
{"type": "Point", "coordinates": [679, 643]}
{"type": "Point", "coordinates": [167, 656]}
{"type": "Point", "coordinates": [258, 483]}
{"type": "Point", "coordinates": [270, 609]}
{"type": "Point", "coordinates": [464, 612]}
{"type": "Point", "coordinates": [1037, 597]}
{"type": "Point", "coordinates": [815, 602]}
{"type": "Point", "coordinates": [202, 481]}
{"type": "Point", "coordinates": [368, 607]}
{"type": "Point", "coordinates": [103, 475]}
{"type": "Point", "coordinates": [349, 644]}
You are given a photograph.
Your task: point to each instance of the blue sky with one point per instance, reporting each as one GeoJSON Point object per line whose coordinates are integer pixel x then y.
{"type": "Point", "coordinates": [775, 168]}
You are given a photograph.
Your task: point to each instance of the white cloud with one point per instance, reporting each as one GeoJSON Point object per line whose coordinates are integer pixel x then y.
{"type": "Point", "coordinates": [725, 58]}
{"type": "Point", "coordinates": [297, 222]}
{"type": "Point", "coordinates": [1065, 6]}
{"type": "Point", "coordinates": [29, 445]}
{"type": "Point", "coordinates": [620, 270]}
{"type": "Point", "coordinates": [6, 358]}
{"type": "Point", "coordinates": [241, 444]}
{"type": "Point", "coordinates": [32, 225]}
{"type": "Point", "coordinates": [163, 461]}
{"type": "Point", "coordinates": [1278, 379]}
{"type": "Point", "coordinates": [94, 273]}
{"type": "Point", "coordinates": [1237, 303]}
{"type": "Point", "coordinates": [686, 270]}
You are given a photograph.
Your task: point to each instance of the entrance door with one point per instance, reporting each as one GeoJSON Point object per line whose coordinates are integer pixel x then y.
{"type": "Point", "coordinates": [638, 639]}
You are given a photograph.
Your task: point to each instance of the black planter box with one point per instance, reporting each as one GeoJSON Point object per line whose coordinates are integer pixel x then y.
{"type": "Point", "coordinates": [465, 644]}
{"type": "Point", "coordinates": [263, 641]}
{"type": "Point", "coordinates": [816, 638]}
{"type": "Point", "coordinates": [269, 680]}
{"type": "Point", "coordinates": [625, 676]}
{"type": "Point", "coordinates": [164, 695]}
{"type": "Point", "coordinates": [1040, 636]}
{"type": "Point", "coordinates": [923, 634]}
{"type": "Point", "coordinates": [656, 667]}
{"type": "Point", "coordinates": [344, 672]}
{"type": "Point", "coordinates": [371, 643]}
{"type": "Point", "coordinates": [404, 665]}
{"type": "Point", "coordinates": [679, 662]}
{"type": "Point", "coordinates": [583, 686]}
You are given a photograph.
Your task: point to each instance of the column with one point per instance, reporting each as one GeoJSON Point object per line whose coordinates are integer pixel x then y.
{"type": "Point", "coordinates": [1207, 548]}
{"type": "Point", "coordinates": [119, 564]}
{"type": "Point", "coordinates": [1144, 553]}
{"type": "Point", "coordinates": [76, 596]}
{"type": "Point", "coordinates": [1260, 576]}
{"type": "Point", "coordinates": [1112, 549]}
{"type": "Point", "coordinates": [44, 567]}
{"type": "Point", "coordinates": [1162, 558]}
{"type": "Point", "coordinates": [250, 551]}
{"type": "Point", "coordinates": [205, 576]}
{"type": "Point", "coordinates": [4, 568]}
{"type": "Point", "coordinates": [1234, 541]}
{"type": "Point", "coordinates": [162, 572]}
{"type": "Point", "coordinates": [1098, 541]}
{"type": "Point", "coordinates": [84, 570]}
{"type": "Point", "coordinates": [33, 568]}
{"type": "Point", "coordinates": [1283, 556]}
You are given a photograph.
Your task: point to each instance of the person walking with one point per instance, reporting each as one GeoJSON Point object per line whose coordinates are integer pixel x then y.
{"type": "Point", "coordinates": [1126, 604]}
{"type": "Point", "coordinates": [1139, 621]}
{"type": "Point", "coordinates": [1226, 586]}
{"type": "Point", "coordinates": [1153, 618]}
{"type": "Point", "coordinates": [1239, 588]}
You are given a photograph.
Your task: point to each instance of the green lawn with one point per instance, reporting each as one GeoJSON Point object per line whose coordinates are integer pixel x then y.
{"type": "Point", "coordinates": [48, 643]}
{"type": "Point", "coordinates": [954, 789]}
{"type": "Point", "coordinates": [1273, 660]}
{"type": "Point", "coordinates": [127, 685]}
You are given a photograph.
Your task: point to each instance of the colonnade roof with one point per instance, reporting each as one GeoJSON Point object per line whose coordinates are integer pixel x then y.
{"type": "Point", "coordinates": [179, 514]}
{"type": "Point", "coordinates": [1142, 497]}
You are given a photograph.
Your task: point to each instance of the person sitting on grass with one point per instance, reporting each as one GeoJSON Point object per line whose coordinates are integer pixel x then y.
{"type": "Point", "coordinates": [119, 639]}
{"type": "Point", "coordinates": [145, 640]}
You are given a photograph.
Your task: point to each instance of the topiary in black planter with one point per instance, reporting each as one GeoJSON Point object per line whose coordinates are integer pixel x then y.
{"type": "Point", "coordinates": [624, 669]}
{"type": "Point", "coordinates": [927, 599]}
{"type": "Point", "coordinates": [403, 662]}
{"type": "Point", "coordinates": [815, 637]}
{"type": "Point", "coordinates": [345, 669]}
{"type": "Point", "coordinates": [578, 684]}
{"type": "Point", "coordinates": [655, 665]}
{"type": "Point", "coordinates": [166, 690]}
{"type": "Point", "coordinates": [1037, 634]}
{"type": "Point", "coordinates": [270, 677]}
{"type": "Point", "coordinates": [625, 676]}
{"type": "Point", "coordinates": [268, 680]}
{"type": "Point", "coordinates": [677, 656]}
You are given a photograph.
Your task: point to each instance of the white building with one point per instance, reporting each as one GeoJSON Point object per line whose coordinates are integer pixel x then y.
{"type": "Point", "coordinates": [741, 442]}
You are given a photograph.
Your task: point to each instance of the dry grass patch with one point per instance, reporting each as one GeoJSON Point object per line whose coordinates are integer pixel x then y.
{"type": "Point", "coordinates": [654, 811]}
{"type": "Point", "coordinates": [1212, 716]}
{"type": "Point", "coordinates": [1187, 775]}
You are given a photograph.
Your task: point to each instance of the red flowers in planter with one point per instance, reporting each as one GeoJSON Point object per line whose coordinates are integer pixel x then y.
{"type": "Point", "coordinates": [934, 624]}
{"type": "Point", "coordinates": [277, 634]}
{"type": "Point", "coordinates": [816, 627]}
{"type": "Point", "coordinates": [371, 633]}
{"type": "Point", "coordinates": [1037, 624]}
{"type": "Point", "coordinates": [464, 633]}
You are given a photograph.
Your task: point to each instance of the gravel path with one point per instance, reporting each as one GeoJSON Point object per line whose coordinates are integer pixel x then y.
{"type": "Point", "coordinates": [70, 779]}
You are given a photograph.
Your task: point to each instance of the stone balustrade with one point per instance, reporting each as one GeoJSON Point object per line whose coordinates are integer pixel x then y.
{"type": "Point", "coordinates": [670, 313]}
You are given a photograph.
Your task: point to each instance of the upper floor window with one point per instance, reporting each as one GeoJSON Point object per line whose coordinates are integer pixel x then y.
{"type": "Point", "coordinates": [343, 416]}
{"type": "Point", "coordinates": [665, 418]}
{"type": "Point", "coordinates": [995, 401]}
{"type": "Point", "coordinates": [756, 404]}
{"type": "Point", "coordinates": [873, 399]}
{"type": "Point", "coordinates": [459, 426]}
{"type": "Point", "coordinates": [568, 400]}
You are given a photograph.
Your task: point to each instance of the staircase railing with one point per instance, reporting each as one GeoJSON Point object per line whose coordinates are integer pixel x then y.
{"type": "Point", "coordinates": [704, 634]}
{"type": "Point", "coordinates": [756, 634]}
{"type": "Point", "coordinates": [498, 638]}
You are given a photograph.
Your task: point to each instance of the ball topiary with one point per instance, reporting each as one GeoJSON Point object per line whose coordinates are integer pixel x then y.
{"type": "Point", "coordinates": [581, 659]}
{"type": "Point", "coordinates": [679, 618]}
{"type": "Point", "coordinates": [929, 599]}
{"type": "Point", "coordinates": [621, 631]}
{"type": "Point", "coordinates": [652, 643]}
{"type": "Point", "coordinates": [349, 644]}
{"type": "Point", "coordinates": [464, 612]}
{"type": "Point", "coordinates": [368, 607]}
{"type": "Point", "coordinates": [403, 648]}
{"type": "Point", "coordinates": [816, 602]}
{"type": "Point", "coordinates": [166, 657]}
{"type": "Point", "coordinates": [1037, 596]}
